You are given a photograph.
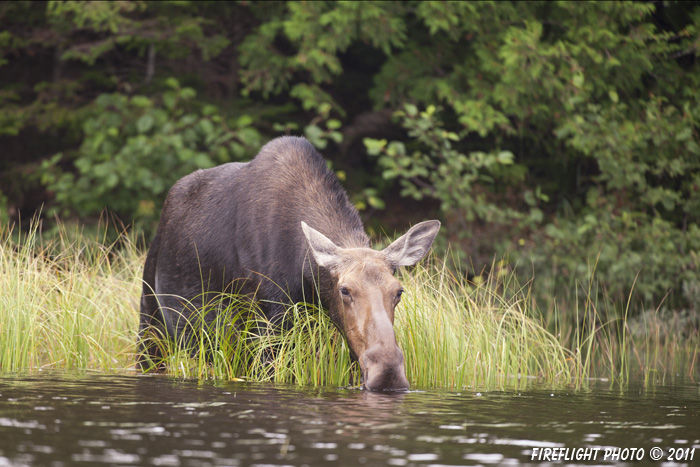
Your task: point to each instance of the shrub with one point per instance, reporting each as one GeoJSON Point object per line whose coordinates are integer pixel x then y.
{"type": "Point", "coordinates": [135, 148]}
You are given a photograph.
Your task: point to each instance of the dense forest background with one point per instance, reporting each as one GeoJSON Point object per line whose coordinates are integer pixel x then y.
{"type": "Point", "coordinates": [560, 138]}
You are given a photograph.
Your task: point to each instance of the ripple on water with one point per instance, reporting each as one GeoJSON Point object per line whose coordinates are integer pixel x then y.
{"type": "Point", "coordinates": [115, 420]}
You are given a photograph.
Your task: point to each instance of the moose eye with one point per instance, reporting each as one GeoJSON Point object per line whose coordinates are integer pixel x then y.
{"type": "Point", "coordinates": [398, 295]}
{"type": "Point", "coordinates": [344, 292]}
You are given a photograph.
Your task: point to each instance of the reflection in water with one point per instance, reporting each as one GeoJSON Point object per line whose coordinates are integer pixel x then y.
{"type": "Point", "coordinates": [60, 420]}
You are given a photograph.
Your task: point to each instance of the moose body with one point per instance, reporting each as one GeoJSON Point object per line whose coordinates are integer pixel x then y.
{"type": "Point", "coordinates": [279, 229]}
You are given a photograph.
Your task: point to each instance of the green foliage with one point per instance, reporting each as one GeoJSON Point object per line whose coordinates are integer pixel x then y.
{"type": "Point", "coordinates": [642, 208]}
{"type": "Point", "coordinates": [564, 133]}
{"type": "Point", "coordinates": [319, 136]}
{"type": "Point", "coordinates": [666, 257]}
{"type": "Point", "coordinates": [317, 32]}
{"type": "Point", "coordinates": [76, 73]}
{"type": "Point", "coordinates": [466, 185]}
{"type": "Point", "coordinates": [136, 147]}
{"type": "Point", "coordinates": [121, 24]}
{"type": "Point", "coordinates": [595, 105]}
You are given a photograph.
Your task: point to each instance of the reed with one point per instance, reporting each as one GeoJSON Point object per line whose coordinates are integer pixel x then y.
{"type": "Point", "coordinates": [71, 302]}
{"type": "Point", "coordinates": [456, 334]}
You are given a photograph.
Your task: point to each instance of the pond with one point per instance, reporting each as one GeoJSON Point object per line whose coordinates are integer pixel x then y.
{"type": "Point", "coordinates": [62, 419]}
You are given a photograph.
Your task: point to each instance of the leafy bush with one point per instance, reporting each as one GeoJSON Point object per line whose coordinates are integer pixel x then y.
{"type": "Point", "coordinates": [136, 147]}
{"type": "Point", "coordinates": [593, 106]}
{"type": "Point", "coordinates": [468, 186]}
{"type": "Point", "coordinates": [642, 206]}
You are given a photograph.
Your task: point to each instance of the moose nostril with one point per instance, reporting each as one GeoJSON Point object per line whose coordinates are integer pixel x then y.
{"type": "Point", "coordinates": [387, 379]}
{"type": "Point", "coordinates": [383, 369]}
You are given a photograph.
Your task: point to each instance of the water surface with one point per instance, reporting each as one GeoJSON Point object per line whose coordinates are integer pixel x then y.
{"type": "Point", "coordinates": [59, 419]}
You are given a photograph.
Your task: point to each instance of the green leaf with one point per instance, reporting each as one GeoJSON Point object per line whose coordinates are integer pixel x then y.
{"type": "Point", "coordinates": [170, 100]}
{"type": "Point", "coordinates": [246, 120]}
{"type": "Point", "coordinates": [685, 134]}
{"type": "Point", "coordinates": [693, 147]}
{"type": "Point", "coordinates": [396, 148]}
{"type": "Point", "coordinates": [209, 110]}
{"type": "Point", "coordinates": [333, 124]}
{"type": "Point", "coordinates": [202, 161]}
{"type": "Point", "coordinates": [374, 146]}
{"type": "Point", "coordinates": [145, 123]}
{"type": "Point", "coordinates": [172, 83]}
{"type": "Point", "coordinates": [505, 157]}
{"type": "Point", "coordinates": [529, 197]}
{"type": "Point", "coordinates": [315, 135]}
{"type": "Point", "coordinates": [187, 93]}
{"type": "Point", "coordinates": [111, 180]}
{"type": "Point", "coordinates": [376, 202]}
{"type": "Point", "coordinates": [207, 127]}
{"type": "Point", "coordinates": [141, 101]}
{"type": "Point", "coordinates": [336, 136]}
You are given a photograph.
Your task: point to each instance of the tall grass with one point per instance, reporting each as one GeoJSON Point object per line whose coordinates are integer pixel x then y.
{"type": "Point", "coordinates": [455, 334]}
{"type": "Point", "coordinates": [618, 342]}
{"type": "Point", "coordinates": [71, 302]}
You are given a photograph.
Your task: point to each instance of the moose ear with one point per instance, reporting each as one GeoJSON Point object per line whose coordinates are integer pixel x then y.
{"type": "Point", "coordinates": [324, 250]}
{"type": "Point", "coordinates": [412, 246]}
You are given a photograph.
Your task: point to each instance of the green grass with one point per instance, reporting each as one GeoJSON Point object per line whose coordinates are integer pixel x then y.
{"type": "Point", "coordinates": [67, 303]}
{"type": "Point", "coordinates": [455, 334]}
{"type": "Point", "coordinates": [72, 303]}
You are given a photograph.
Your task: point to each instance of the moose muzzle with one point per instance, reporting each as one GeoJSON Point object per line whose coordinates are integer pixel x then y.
{"type": "Point", "coordinates": [383, 368]}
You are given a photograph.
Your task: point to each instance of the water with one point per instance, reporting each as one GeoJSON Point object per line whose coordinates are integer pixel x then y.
{"type": "Point", "coordinates": [58, 419]}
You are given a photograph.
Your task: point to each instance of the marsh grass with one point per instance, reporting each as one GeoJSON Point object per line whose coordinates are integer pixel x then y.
{"type": "Point", "coordinates": [67, 303]}
{"type": "Point", "coordinates": [71, 302]}
{"type": "Point", "coordinates": [455, 334]}
{"type": "Point", "coordinates": [613, 343]}
{"type": "Point", "coordinates": [241, 344]}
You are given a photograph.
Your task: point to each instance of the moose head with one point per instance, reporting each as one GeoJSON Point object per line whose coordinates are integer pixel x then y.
{"type": "Point", "coordinates": [363, 296]}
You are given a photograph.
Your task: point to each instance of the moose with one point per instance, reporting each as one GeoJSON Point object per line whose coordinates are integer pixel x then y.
{"type": "Point", "coordinates": [281, 228]}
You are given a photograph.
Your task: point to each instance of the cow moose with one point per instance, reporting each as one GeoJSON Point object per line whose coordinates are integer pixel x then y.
{"type": "Point", "coordinates": [281, 228]}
